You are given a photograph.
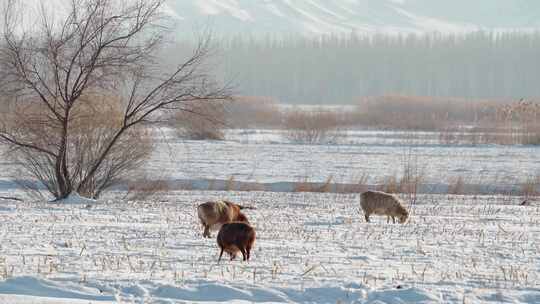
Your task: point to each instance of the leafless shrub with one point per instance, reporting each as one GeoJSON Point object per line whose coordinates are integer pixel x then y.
{"type": "Point", "coordinates": [208, 120]}
{"type": "Point", "coordinates": [413, 174]}
{"type": "Point", "coordinates": [458, 121]}
{"type": "Point", "coordinates": [522, 121]}
{"type": "Point", "coordinates": [311, 127]}
{"type": "Point", "coordinates": [201, 120]}
{"type": "Point", "coordinates": [423, 113]}
{"type": "Point", "coordinates": [409, 180]}
{"type": "Point", "coordinates": [253, 112]}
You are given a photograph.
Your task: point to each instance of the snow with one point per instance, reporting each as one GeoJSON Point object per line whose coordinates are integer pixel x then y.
{"type": "Point", "coordinates": [266, 156]}
{"type": "Point", "coordinates": [49, 291]}
{"type": "Point", "coordinates": [315, 17]}
{"type": "Point", "coordinates": [213, 7]}
{"type": "Point", "coordinates": [32, 290]}
{"type": "Point", "coordinates": [75, 198]}
{"type": "Point", "coordinates": [310, 248]}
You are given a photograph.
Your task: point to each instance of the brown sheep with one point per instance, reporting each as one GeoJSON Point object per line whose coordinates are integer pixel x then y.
{"type": "Point", "coordinates": [234, 237]}
{"type": "Point", "coordinates": [214, 214]}
{"type": "Point", "coordinates": [381, 203]}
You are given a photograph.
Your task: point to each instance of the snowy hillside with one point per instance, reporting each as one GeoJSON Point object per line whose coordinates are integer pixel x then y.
{"type": "Point", "coordinates": [311, 17]}
{"type": "Point", "coordinates": [363, 16]}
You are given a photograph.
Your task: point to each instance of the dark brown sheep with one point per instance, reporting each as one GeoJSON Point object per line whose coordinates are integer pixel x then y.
{"type": "Point", "coordinates": [213, 214]}
{"type": "Point", "coordinates": [234, 237]}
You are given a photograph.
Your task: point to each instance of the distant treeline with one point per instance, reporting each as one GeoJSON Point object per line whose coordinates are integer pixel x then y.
{"type": "Point", "coordinates": [343, 68]}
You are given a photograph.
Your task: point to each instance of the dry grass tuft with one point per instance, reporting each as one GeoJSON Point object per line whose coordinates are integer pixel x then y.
{"type": "Point", "coordinates": [307, 186]}
{"type": "Point", "coordinates": [230, 184]}
{"type": "Point", "coordinates": [531, 186]}
{"type": "Point", "coordinates": [456, 186]}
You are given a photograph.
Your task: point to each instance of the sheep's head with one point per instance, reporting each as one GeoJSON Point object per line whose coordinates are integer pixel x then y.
{"type": "Point", "coordinates": [402, 218]}
{"type": "Point", "coordinates": [403, 215]}
{"type": "Point", "coordinates": [241, 218]}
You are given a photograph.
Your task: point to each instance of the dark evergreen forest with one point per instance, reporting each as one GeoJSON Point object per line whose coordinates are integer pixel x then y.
{"type": "Point", "coordinates": [342, 69]}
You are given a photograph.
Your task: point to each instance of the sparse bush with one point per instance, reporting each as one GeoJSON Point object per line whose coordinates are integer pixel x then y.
{"type": "Point", "coordinates": [253, 112]}
{"type": "Point", "coordinates": [412, 175]}
{"type": "Point", "coordinates": [459, 121]}
{"type": "Point", "coordinates": [522, 121]}
{"type": "Point", "coordinates": [201, 121]}
{"type": "Point", "coordinates": [311, 127]}
{"type": "Point", "coordinates": [409, 180]}
{"type": "Point", "coordinates": [424, 113]}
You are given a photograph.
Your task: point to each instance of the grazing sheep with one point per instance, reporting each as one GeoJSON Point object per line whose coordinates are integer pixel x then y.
{"type": "Point", "coordinates": [214, 214]}
{"type": "Point", "coordinates": [234, 237]}
{"type": "Point", "coordinates": [381, 203]}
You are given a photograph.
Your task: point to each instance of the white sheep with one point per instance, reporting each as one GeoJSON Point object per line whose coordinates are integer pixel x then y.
{"type": "Point", "coordinates": [381, 203]}
{"type": "Point", "coordinates": [214, 214]}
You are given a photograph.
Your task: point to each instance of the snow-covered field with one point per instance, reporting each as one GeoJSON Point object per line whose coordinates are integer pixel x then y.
{"type": "Point", "coordinates": [265, 156]}
{"type": "Point", "coordinates": [310, 248]}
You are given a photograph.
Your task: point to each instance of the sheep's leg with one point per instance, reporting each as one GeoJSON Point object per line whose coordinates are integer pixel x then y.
{"type": "Point", "coordinates": [206, 232]}
{"type": "Point", "coordinates": [243, 253]}
{"type": "Point", "coordinates": [387, 219]}
{"type": "Point", "coordinates": [367, 217]}
{"type": "Point", "coordinates": [393, 219]}
{"type": "Point", "coordinates": [233, 255]}
{"type": "Point", "coordinates": [220, 254]}
{"type": "Point", "coordinates": [248, 250]}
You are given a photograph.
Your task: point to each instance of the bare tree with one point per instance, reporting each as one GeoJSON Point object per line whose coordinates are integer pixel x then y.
{"type": "Point", "coordinates": [102, 55]}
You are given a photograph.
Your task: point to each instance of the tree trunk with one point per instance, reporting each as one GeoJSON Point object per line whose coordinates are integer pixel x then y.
{"type": "Point", "coordinates": [101, 158]}
{"type": "Point", "coordinates": [65, 186]}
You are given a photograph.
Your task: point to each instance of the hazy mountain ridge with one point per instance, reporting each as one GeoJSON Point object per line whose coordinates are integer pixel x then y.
{"type": "Point", "coordinates": [363, 16]}
{"type": "Point", "coordinates": [312, 17]}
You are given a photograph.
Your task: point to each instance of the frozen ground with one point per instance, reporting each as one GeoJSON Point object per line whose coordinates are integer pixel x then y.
{"type": "Point", "coordinates": [265, 156]}
{"type": "Point", "coordinates": [310, 248]}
